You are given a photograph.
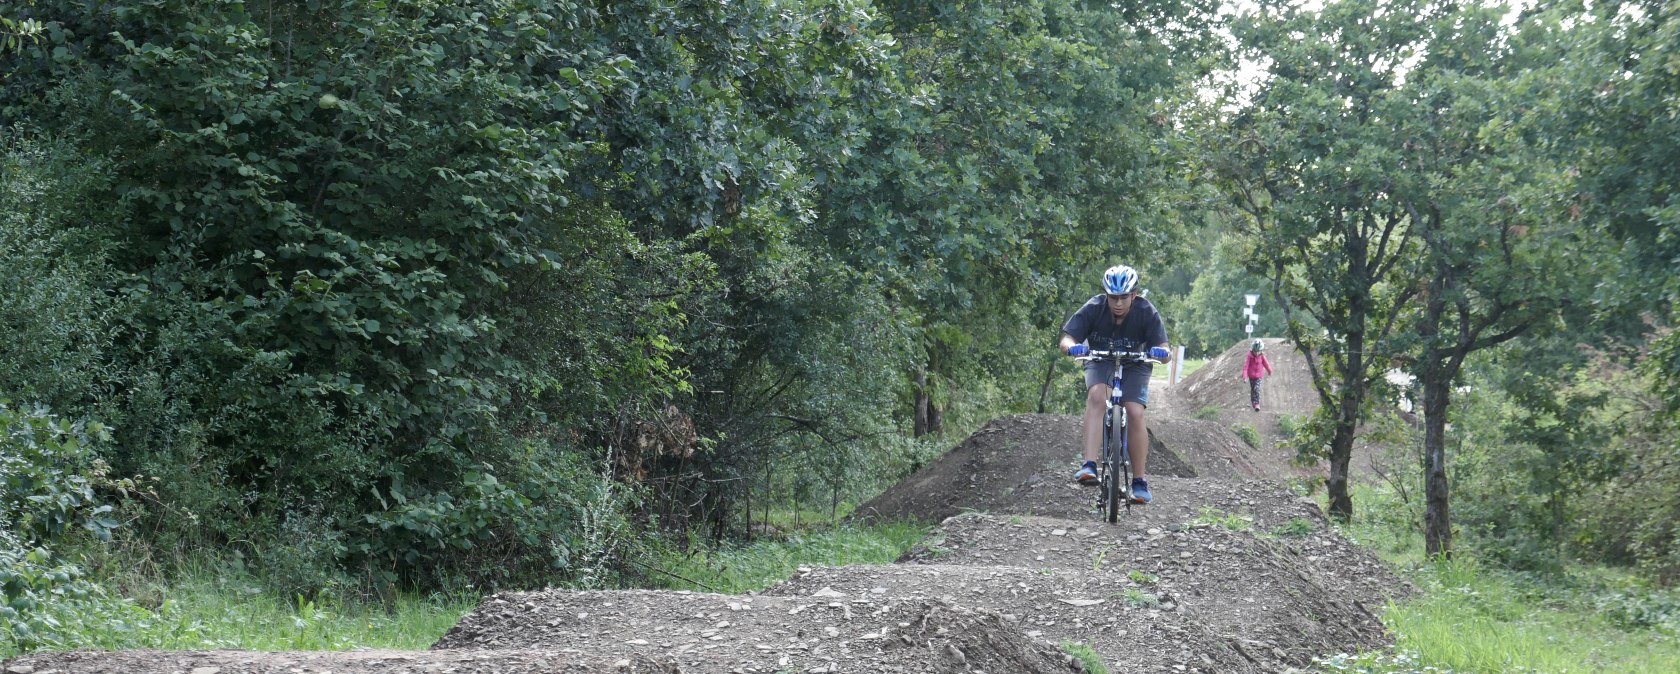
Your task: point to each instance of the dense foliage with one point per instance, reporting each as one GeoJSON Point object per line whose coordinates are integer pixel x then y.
{"type": "Point", "coordinates": [440, 294]}
{"type": "Point", "coordinates": [420, 295]}
{"type": "Point", "coordinates": [1429, 181]}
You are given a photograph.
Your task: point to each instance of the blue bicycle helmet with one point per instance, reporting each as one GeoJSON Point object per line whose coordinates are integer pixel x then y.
{"type": "Point", "coordinates": [1119, 280]}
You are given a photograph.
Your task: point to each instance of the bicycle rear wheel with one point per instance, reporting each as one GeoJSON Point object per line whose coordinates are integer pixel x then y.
{"type": "Point", "coordinates": [1111, 467]}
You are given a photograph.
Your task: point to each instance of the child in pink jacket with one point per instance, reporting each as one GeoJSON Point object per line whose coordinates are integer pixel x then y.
{"type": "Point", "coordinates": [1252, 368]}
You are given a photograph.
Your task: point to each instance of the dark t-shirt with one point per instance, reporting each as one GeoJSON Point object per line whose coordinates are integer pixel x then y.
{"type": "Point", "coordinates": [1094, 325]}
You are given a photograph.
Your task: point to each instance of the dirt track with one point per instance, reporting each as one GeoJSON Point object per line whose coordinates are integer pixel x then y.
{"type": "Point", "coordinates": [1228, 571]}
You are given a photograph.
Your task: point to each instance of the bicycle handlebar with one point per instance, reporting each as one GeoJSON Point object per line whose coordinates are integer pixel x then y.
{"type": "Point", "coordinates": [1119, 357]}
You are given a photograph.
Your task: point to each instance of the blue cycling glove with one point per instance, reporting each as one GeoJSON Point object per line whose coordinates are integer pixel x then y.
{"type": "Point", "coordinates": [1078, 350]}
{"type": "Point", "coordinates": [1158, 352]}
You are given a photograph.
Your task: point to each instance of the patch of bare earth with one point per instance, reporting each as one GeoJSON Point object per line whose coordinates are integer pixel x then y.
{"type": "Point", "coordinates": [1229, 570]}
{"type": "Point", "coordinates": [724, 633]}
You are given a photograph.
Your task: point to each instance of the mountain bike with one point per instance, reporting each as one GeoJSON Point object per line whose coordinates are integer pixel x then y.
{"type": "Point", "coordinates": [1114, 472]}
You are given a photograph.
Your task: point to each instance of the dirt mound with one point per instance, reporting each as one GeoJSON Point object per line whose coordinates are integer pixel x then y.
{"type": "Point", "coordinates": [354, 662]}
{"type": "Point", "coordinates": [995, 467]}
{"type": "Point", "coordinates": [1205, 598]}
{"type": "Point", "coordinates": [724, 633]}
{"type": "Point", "coordinates": [1049, 604]}
{"type": "Point", "coordinates": [1288, 390]}
{"type": "Point", "coordinates": [1337, 571]}
{"type": "Point", "coordinates": [1049, 492]}
{"type": "Point", "coordinates": [1216, 395]}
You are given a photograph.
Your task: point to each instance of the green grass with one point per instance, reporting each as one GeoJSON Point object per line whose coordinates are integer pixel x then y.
{"type": "Point", "coordinates": [1207, 413]}
{"type": "Point", "coordinates": [1474, 619]}
{"type": "Point", "coordinates": [214, 607]}
{"type": "Point", "coordinates": [1189, 367]}
{"type": "Point", "coordinates": [790, 519]}
{"type": "Point", "coordinates": [1211, 516]}
{"type": "Point", "coordinates": [205, 616]}
{"type": "Point", "coordinates": [229, 610]}
{"type": "Point", "coordinates": [763, 563]}
{"type": "Point", "coordinates": [1296, 526]}
{"type": "Point", "coordinates": [1086, 655]}
{"type": "Point", "coordinates": [1137, 598]}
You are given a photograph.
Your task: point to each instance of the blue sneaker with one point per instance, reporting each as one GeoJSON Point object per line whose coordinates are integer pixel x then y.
{"type": "Point", "coordinates": [1140, 491]}
{"type": "Point", "coordinates": [1087, 473]}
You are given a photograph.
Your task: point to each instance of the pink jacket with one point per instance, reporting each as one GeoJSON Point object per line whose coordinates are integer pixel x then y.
{"type": "Point", "coordinates": [1254, 364]}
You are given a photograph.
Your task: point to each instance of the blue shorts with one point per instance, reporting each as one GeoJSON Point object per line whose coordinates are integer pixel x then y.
{"type": "Point", "coordinates": [1134, 385]}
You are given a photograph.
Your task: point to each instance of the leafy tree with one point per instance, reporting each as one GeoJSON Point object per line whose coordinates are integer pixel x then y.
{"type": "Point", "coordinates": [1493, 242]}
{"type": "Point", "coordinates": [1551, 232]}
{"type": "Point", "coordinates": [1209, 318]}
{"type": "Point", "coordinates": [1310, 162]}
{"type": "Point", "coordinates": [323, 206]}
{"type": "Point", "coordinates": [388, 287]}
{"type": "Point", "coordinates": [1036, 158]}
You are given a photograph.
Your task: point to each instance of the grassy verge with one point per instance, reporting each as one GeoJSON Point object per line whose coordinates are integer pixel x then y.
{"type": "Point", "coordinates": [1472, 618]}
{"type": "Point", "coordinates": [209, 611]}
{"type": "Point", "coordinates": [208, 614]}
{"type": "Point", "coordinates": [216, 608]}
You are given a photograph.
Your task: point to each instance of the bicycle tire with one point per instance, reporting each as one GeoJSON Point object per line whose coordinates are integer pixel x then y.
{"type": "Point", "coordinates": [1125, 459]}
{"type": "Point", "coordinates": [1111, 464]}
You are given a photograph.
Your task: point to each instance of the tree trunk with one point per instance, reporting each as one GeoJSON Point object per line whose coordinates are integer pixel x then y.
{"type": "Point", "coordinates": [921, 403]}
{"type": "Point", "coordinates": [1437, 520]}
{"type": "Point", "coordinates": [1435, 382]}
{"type": "Point", "coordinates": [1341, 454]}
{"type": "Point", "coordinates": [1044, 389]}
{"type": "Point", "coordinates": [1352, 398]}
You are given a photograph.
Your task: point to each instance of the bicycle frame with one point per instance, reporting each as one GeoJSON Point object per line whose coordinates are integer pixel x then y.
{"type": "Point", "coordinates": [1115, 470]}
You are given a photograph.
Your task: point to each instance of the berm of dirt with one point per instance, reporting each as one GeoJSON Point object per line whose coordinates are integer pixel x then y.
{"type": "Point", "coordinates": [1229, 570]}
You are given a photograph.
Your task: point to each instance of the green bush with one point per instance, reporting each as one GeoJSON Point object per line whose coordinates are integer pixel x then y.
{"type": "Point", "coordinates": [55, 308]}
{"type": "Point", "coordinates": [1208, 413]}
{"type": "Point", "coordinates": [300, 321]}
{"type": "Point", "coordinates": [1289, 425]}
{"type": "Point", "coordinates": [551, 520]}
{"type": "Point", "coordinates": [47, 500]}
{"type": "Point", "coordinates": [48, 474]}
{"type": "Point", "coordinates": [1247, 432]}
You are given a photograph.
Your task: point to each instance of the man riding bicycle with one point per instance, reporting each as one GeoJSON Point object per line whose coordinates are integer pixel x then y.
{"type": "Point", "coordinates": [1116, 320]}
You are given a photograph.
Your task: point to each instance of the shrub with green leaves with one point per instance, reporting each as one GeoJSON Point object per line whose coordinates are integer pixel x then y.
{"type": "Point", "coordinates": [47, 476]}
{"type": "Point", "coordinates": [47, 499]}
{"type": "Point", "coordinates": [316, 264]}
{"type": "Point", "coordinates": [1247, 432]}
{"type": "Point", "coordinates": [57, 313]}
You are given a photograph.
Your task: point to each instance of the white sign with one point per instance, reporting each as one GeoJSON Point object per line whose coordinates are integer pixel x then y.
{"type": "Point", "coordinates": [1251, 298]}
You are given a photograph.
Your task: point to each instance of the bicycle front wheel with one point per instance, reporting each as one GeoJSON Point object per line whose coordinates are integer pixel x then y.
{"type": "Point", "coordinates": [1124, 457]}
{"type": "Point", "coordinates": [1112, 470]}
